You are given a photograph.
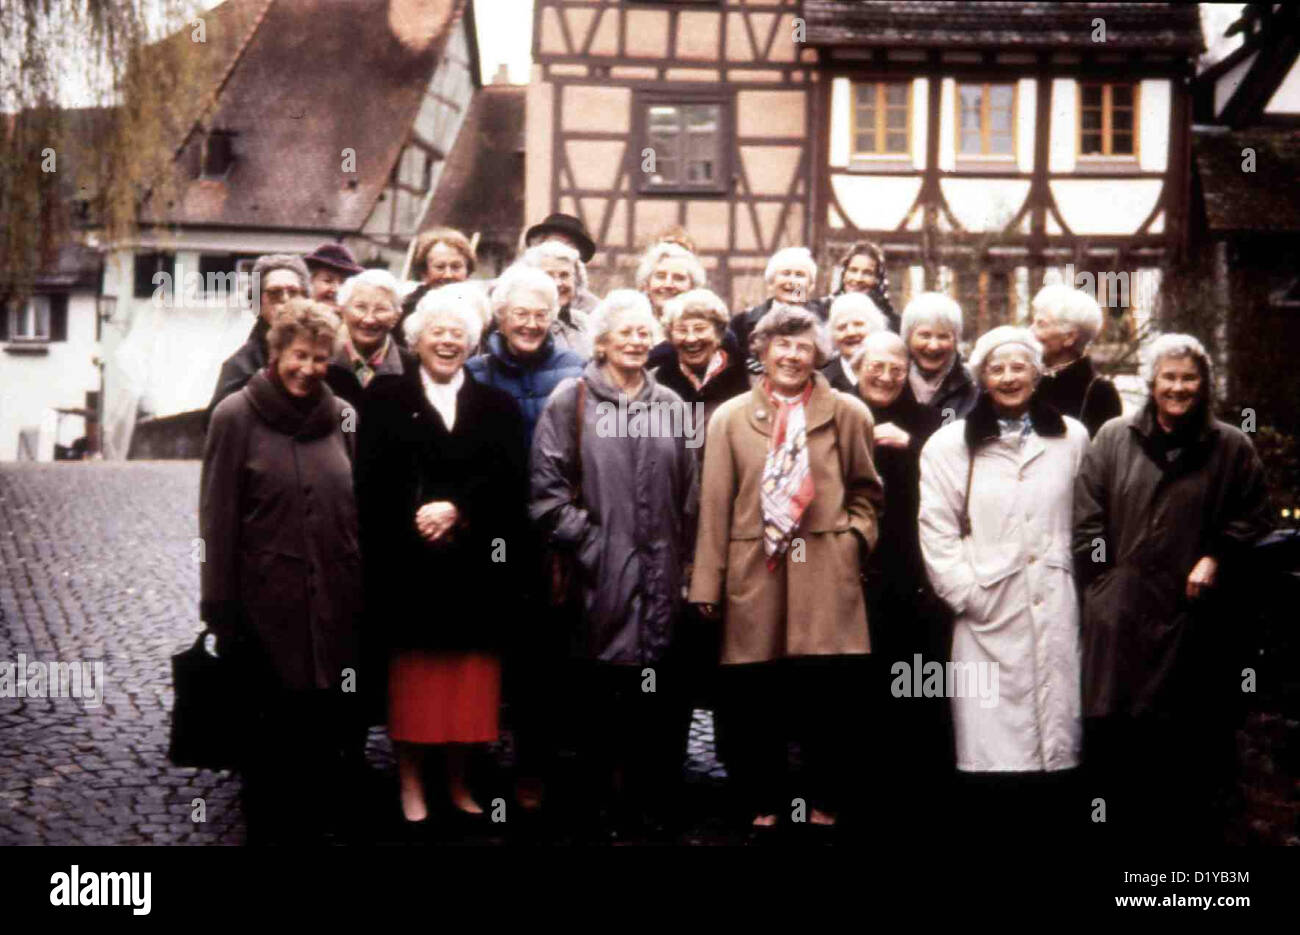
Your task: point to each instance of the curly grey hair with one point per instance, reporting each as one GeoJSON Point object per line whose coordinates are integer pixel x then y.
{"type": "Point", "coordinates": [698, 303]}
{"type": "Point", "coordinates": [1177, 345]}
{"type": "Point", "coordinates": [520, 277]}
{"type": "Point", "coordinates": [1073, 308]}
{"type": "Point", "coordinates": [1002, 335]}
{"type": "Point", "coordinates": [619, 304]}
{"type": "Point", "coordinates": [652, 257]}
{"type": "Point", "coordinates": [786, 321]}
{"type": "Point", "coordinates": [554, 250]}
{"type": "Point", "coordinates": [466, 304]}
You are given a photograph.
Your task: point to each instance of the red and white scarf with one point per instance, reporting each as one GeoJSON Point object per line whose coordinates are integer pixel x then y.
{"type": "Point", "coordinates": [717, 363]}
{"type": "Point", "coordinates": [787, 486]}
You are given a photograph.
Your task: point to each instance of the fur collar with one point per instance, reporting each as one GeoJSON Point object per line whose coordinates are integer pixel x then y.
{"type": "Point", "coordinates": [982, 422]}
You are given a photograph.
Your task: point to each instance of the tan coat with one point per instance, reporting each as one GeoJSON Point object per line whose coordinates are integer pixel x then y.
{"type": "Point", "coordinates": [812, 607]}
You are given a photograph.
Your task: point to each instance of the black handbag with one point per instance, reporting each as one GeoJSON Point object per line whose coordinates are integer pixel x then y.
{"type": "Point", "coordinates": [205, 729]}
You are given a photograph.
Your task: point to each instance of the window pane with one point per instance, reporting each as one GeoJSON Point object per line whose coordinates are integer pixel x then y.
{"type": "Point", "coordinates": [1001, 144]}
{"type": "Point", "coordinates": [896, 94]}
{"type": "Point", "coordinates": [1121, 95]}
{"type": "Point", "coordinates": [1090, 144]}
{"type": "Point", "coordinates": [1091, 119]}
{"type": "Point", "coordinates": [664, 119]}
{"type": "Point", "coordinates": [865, 93]}
{"type": "Point", "coordinates": [864, 143]}
{"type": "Point", "coordinates": [1001, 96]}
{"type": "Point", "coordinates": [41, 306]}
{"type": "Point", "coordinates": [1000, 121]}
{"type": "Point", "coordinates": [896, 118]}
{"type": "Point", "coordinates": [1122, 144]}
{"type": "Point", "coordinates": [1091, 95]}
{"type": "Point", "coordinates": [1122, 120]}
{"type": "Point", "coordinates": [896, 142]}
{"type": "Point", "coordinates": [702, 117]}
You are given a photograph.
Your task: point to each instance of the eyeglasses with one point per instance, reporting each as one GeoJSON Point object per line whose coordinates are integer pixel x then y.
{"type": "Point", "coordinates": [878, 368]}
{"type": "Point", "coordinates": [379, 311]}
{"type": "Point", "coordinates": [282, 293]}
{"type": "Point", "coordinates": [523, 316]}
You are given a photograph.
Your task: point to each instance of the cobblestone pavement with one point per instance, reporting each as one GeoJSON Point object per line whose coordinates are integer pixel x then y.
{"type": "Point", "coordinates": [97, 564]}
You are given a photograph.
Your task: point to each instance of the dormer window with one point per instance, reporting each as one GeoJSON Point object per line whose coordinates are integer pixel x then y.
{"type": "Point", "coordinates": [218, 154]}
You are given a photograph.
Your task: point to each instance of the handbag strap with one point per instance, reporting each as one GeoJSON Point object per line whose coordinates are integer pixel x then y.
{"type": "Point", "coordinates": [964, 519]}
{"type": "Point", "coordinates": [577, 435]}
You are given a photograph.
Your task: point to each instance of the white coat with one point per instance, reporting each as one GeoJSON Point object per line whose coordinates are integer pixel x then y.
{"type": "Point", "coordinates": [1010, 585]}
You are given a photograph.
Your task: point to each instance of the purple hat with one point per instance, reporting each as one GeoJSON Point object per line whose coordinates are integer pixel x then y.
{"type": "Point", "coordinates": [334, 256]}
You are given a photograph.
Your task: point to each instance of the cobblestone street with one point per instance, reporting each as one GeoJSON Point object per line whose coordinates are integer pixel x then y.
{"type": "Point", "coordinates": [96, 563]}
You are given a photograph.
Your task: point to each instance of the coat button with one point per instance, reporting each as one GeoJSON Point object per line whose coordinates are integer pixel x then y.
{"type": "Point", "coordinates": [760, 414]}
{"type": "Point", "coordinates": [1032, 559]}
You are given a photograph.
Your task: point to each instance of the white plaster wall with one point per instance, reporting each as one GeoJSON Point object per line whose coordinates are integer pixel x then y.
{"type": "Point", "coordinates": [33, 385]}
{"type": "Point", "coordinates": [841, 105]}
{"type": "Point", "coordinates": [947, 125]}
{"type": "Point", "coordinates": [1286, 99]}
{"type": "Point", "coordinates": [1026, 117]}
{"type": "Point", "coordinates": [1105, 206]}
{"type": "Point", "coordinates": [1063, 143]}
{"type": "Point", "coordinates": [1153, 124]}
{"type": "Point", "coordinates": [875, 202]}
{"type": "Point", "coordinates": [984, 204]}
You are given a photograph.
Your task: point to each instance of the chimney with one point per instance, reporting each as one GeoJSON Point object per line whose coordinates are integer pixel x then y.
{"type": "Point", "coordinates": [416, 23]}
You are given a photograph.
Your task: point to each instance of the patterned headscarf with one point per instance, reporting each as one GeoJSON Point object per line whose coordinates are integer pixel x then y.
{"type": "Point", "coordinates": [787, 486]}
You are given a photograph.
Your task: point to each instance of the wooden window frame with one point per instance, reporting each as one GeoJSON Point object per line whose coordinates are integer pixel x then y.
{"type": "Point", "coordinates": [986, 120]}
{"type": "Point", "coordinates": [643, 100]}
{"type": "Point", "coordinates": [1107, 115]}
{"type": "Point", "coordinates": [879, 129]}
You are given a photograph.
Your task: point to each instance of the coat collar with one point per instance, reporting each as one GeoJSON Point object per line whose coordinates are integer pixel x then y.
{"type": "Point", "coordinates": [273, 408]}
{"type": "Point", "coordinates": [594, 376]}
{"type": "Point", "coordinates": [1075, 375]}
{"type": "Point", "coordinates": [497, 348]}
{"type": "Point", "coordinates": [819, 409]}
{"type": "Point", "coordinates": [906, 413]}
{"type": "Point", "coordinates": [982, 421]}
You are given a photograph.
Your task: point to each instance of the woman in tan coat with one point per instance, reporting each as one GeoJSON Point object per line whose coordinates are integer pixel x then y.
{"type": "Point", "coordinates": [788, 511]}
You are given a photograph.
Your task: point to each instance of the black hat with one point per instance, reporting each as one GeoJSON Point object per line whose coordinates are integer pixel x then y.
{"type": "Point", "coordinates": [570, 227]}
{"type": "Point", "coordinates": [335, 256]}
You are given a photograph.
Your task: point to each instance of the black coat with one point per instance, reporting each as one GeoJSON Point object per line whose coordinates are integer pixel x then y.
{"type": "Point", "coordinates": [343, 380]}
{"type": "Point", "coordinates": [239, 367]}
{"type": "Point", "coordinates": [461, 594]}
{"type": "Point", "coordinates": [834, 372]}
{"type": "Point", "coordinates": [731, 381]}
{"type": "Point", "coordinates": [957, 392]}
{"type": "Point", "coordinates": [905, 615]}
{"type": "Point", "coordinates": [1079, 391]}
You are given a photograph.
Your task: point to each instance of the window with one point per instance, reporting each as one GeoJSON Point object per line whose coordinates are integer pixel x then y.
{"type": "Point", "coordinates": [986, 297]}
{"type": "Point", "coordinates": [40, 318]}
{"type": "Point", "coordinates": [220, 275]}
{"type": "Point", "coordinates": [688, 142]}
{"type": "Point", "coordinates": [146, 265]}
{"type": "Point", "coordinates": [1108, 120]}
{"type": "Point", "coordinates": [218, 154]}
{"type": "Point", "coordinates": [986, 119]}
{"type": "Point", "coordinates": [882, 118]}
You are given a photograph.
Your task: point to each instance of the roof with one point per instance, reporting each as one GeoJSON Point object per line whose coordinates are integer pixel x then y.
{"type": "Point", "coordinates": [1266, 200]}
{"type": "Point", "coordinates": [298, 92]}
{"type": "Point", "coordinates": [1171, 27]}
{"type": "Point", "coordinates": [482, 184]}
{"type": "Point", "coordinates": [75, 266]}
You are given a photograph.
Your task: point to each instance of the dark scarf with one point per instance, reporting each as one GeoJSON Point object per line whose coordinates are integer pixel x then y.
{"type": "Point", "coordinates": [982, 422]}
{"type": "Point", "coordinates": [305, 418]}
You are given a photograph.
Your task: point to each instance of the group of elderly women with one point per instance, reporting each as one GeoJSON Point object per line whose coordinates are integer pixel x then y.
{"type": "Point", "coordinates": [424, 503]}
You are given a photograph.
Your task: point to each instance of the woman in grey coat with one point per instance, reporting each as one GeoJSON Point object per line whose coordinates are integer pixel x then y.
{"type": "Point", "coordinates": [1167, 503]}
{"type": "Point", "coordinates": [622, 501]}
{"type": "Point", "coordinates": [281, 577]}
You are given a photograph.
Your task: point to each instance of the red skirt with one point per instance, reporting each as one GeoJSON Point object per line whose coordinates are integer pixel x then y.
{"type": "Point", "coordinates": [443, 697]}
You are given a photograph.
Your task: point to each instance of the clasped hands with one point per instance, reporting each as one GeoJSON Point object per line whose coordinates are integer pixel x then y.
{"type": "Point", "coordinates": [434, 521]}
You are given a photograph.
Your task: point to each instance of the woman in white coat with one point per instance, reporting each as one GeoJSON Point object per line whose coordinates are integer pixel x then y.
{"type": "Point", "coordinates": [995, 524]}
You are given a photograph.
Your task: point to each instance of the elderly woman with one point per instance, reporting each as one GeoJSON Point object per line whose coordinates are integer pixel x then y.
{"type": "Point", "coordinates": [522, 357]}
{"type": "Point", "coordinates": [788, 511]}
{"type": "Point", "coordinates": [281, 580]}
{"type": "Point", "coordinates": [931, 326]}
{"type": "Point", "coordinates": [996, 491]}
{"type": "Point", "coordinates": [702, 370]}
{"type": "Point", "coordinates": [441, 256]}
{"type": "Point", "coordinates": [562, 264]}
{"type": "Point", "coordinates": [862, 270]}
{"type": "Point", "coordinates": [618, 494]}
{"type": "Point", "coordinates": [667, 270]}
{"type": "Point", "coordinates": [1167, 503]}
{"type": "Point", "coordinates": [1065, 322]}
{"type": "Point", "coordinates": [441, 486]}
{"type": "Point", "coordinates": [790, 276]}
{"type": "Point", "coordinates": [370, 305]}
{"type": "Point", "coordinates": [277, 277]}
{"type": "Point", "coordinates": [853, 317]}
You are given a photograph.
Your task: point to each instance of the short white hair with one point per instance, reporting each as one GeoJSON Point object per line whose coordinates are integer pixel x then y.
{"type": "Point", "coordinates": [791, 256]}
{"type": "Point", "coordinates": [465, 304]}
{"type": "Point", "coordinates": [931, 308]}
{"type": "Point", "coordinates": [1001, 336]}
{"type": "Point", "coordinates": [1073, 308]}
{"type": "Point", "coordinates": [857, 303]}
{"type": "Point", "coordinates": [1176, 345]}
{"type": "Point", "coordinates": [555, 250]}
{"type": "Point", "coordinates": [519, 278]}
{"type": "Point", "coordinates": [661, 251]}
{"type": "Point", "coordinates": [873, 342]}
{"type": "Point", "coordinates": [379, 278]}
{"type": "Point", "coordinates": [703, 303]}
{"type": "Point", "coordinates": [618, 305]}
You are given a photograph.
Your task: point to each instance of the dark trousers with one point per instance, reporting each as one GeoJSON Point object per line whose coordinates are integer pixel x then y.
{"type": "Point", "coordinates": [630, 742]}
{"type": "Point", "coordinates": [1161, 778]}
{"type": "Point", "coordinates": [815, 702]}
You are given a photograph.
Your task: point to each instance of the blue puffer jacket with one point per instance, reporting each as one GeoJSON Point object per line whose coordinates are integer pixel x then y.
{"type": "Point", "coordinates": [529, 381]}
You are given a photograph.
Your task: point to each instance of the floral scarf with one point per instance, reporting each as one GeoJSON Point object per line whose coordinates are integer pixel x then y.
{"type": "Point", "coordinates": [717, 363]}
{"type": "Point", "coordinates": [787, 486]}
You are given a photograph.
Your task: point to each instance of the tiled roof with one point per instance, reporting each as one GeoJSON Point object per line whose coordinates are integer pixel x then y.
{"type": "Point", "coordinates": [1265, 200]}
{"type": "Point", "coordinates": [1172, 27]}
{"type": "Point", "coordinates": [310, 80]}
{"type": "Point", "coordinates": [482, 186]}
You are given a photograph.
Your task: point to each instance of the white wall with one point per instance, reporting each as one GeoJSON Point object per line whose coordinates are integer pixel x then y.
{"type": "Point", "coordinates": [34, 384]}
{"type": "Point", "coordinates": [1286, 99]}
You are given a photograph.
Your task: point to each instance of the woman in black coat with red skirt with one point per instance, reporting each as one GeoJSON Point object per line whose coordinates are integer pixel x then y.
{"type": "Point", "coordinates": [441, 488]}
